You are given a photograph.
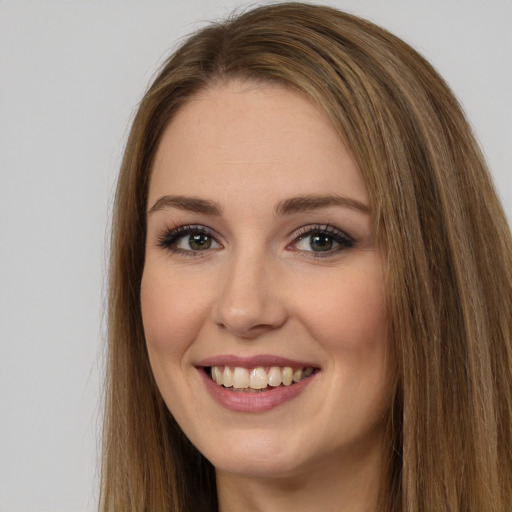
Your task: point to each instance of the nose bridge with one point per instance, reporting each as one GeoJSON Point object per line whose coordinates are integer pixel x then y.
{"type": "Point", "coordinates": [248, 300]}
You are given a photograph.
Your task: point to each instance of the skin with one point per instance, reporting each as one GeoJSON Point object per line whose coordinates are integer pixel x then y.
{"type": "Point", "coordinates": [261, 288]}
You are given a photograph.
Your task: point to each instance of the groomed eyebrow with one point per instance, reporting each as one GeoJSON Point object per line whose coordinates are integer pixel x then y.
{"type": "Point", "coordinates": [187, 203]}
{"type": "Point", "coordinates": [284, 207]}
{"type": "Point", "coordinates": [315, 202]}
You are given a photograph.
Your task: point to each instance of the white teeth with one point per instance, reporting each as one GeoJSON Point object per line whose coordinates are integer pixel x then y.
{"type": "Point", "coordinates": [240, 378]}
{"type": "Point", "coordinates": [258, 378]}
{"type": "Point", "coordinates": [274, 376]}
{"type": "Point", "coordinates": [217, 375]}
{"type": "Point", "coordinates": [227, 377]}
{"type": "Point", "coordinates": [287, 376]}
{"type": "Point", "coordinates": [297, 375]}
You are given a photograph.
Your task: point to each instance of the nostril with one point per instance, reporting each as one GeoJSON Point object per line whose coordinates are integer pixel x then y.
{"type": "Point", "coordinates": [248, 306]}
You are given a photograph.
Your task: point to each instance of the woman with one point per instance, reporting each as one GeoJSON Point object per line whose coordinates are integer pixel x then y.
{"type": "Point", "coordinates": [303, 215]}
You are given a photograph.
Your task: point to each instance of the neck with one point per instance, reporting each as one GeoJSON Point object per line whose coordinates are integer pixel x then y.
{"type": "Point", "coordinates": [336, 483]}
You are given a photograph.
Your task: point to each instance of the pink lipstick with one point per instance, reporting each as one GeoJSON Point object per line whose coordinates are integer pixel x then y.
{"type": "Point", "coordinates": [255, 384]}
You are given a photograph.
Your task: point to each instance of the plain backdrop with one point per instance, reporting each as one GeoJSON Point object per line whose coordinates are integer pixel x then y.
{"type": "Point", "coordinates": [71, 74]}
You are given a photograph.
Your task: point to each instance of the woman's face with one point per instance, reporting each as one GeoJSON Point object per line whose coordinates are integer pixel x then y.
{"type": "Point", "coordinates": [261, 269]}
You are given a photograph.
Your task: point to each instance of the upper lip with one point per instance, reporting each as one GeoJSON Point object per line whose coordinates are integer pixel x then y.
{"type": "Point", "coordinates": [254, 361]}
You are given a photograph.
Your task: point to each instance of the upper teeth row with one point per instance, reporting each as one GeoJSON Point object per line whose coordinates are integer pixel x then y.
{"type": "Point", "coordinates": [258, 378]}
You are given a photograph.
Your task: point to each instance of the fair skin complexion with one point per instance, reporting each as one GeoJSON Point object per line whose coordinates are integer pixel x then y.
{"type": "Point", "coordinates": [273, 263]}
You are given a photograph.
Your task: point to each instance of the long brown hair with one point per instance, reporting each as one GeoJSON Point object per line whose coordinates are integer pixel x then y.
{"type": "Point", "coordinates": [442, 231]}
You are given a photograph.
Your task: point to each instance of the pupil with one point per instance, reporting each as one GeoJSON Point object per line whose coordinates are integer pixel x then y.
{"type": "Point", "coordinates": [321, 243]}
{"type": "Point", "coordinates": [199, 241]}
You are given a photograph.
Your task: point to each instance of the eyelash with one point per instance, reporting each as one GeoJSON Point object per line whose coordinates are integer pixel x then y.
{"type": "Point", "coordinates": [168, 239]}
{"type": "Point", "coordinates": [170, 236]}
{"type": "Point", "coordinates": [343, 240]}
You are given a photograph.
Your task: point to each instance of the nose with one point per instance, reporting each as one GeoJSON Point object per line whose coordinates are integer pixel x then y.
{"type": "Point", "coordinates": [249, 302]}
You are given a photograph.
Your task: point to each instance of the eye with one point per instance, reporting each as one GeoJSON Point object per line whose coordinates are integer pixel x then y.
{"type": "Point", "coordinates": [188, 240]}
{"type": "Point", "coordinates": [322, 240]}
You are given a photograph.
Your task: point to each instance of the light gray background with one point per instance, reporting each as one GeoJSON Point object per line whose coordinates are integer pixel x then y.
{"type": "Point", "coordinates": [71, 73]}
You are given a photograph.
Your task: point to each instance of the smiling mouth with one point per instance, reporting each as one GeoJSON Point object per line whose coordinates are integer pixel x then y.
{"type": "Point", "coordinates": [258, 379]}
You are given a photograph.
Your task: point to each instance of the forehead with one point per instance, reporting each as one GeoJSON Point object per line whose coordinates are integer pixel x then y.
{"type": "Point", "coordinates": [267, 137]}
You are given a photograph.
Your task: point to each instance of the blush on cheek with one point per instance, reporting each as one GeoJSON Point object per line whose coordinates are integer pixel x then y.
{"type": "Point", "coordinates": [353, 321]}
{"type": "Point", "coordinates": [155, 318]}
{"type": "Point", "coordinates": [169, 317]}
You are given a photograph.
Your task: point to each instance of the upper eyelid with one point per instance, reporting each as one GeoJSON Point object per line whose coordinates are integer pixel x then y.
{"type": "Point", "coordinates": [320, 228]}
{"type": "Point", "coordinates": [343, 239]}
{"type": "Point", "coordinates": [180, 231]}
{"type": "Point", "coordinates": [189, 228]}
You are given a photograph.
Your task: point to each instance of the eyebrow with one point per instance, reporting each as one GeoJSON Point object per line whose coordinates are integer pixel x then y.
{"type": "Point", "coordinates": [284, 207]}
{"type": "Point", "coordinates": [187, 203]}
{"type": "Point", "coordinates": [315, 202]}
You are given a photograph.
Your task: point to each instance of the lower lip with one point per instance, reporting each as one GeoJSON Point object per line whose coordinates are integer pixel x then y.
{"type": "Point", "coordinates": [253, 402]}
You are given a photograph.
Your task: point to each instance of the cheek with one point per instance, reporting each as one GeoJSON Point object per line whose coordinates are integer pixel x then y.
{"type": "Point", "coordinates": [349, 314]}
{"type": "Point", "coordinates": [350, 324]}
{"type": "Point", "coordinates": [171, 319]}
{"type": "Point", "coordinates": [172, 311]}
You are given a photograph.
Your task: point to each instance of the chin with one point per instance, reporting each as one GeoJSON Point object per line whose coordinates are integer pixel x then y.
{"type": "Point", "coordinates": [258, 455]}
{"type": "Point", "coordinates": [270, 466]}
